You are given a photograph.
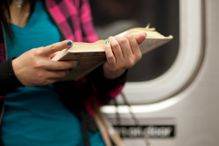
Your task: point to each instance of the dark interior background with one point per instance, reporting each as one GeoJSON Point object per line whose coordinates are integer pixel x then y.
{"type": "Point", "coordinates": [164, 15]}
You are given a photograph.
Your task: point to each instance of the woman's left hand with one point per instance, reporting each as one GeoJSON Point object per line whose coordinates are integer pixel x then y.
{"type": "Point", "coordinates": [122, 53]}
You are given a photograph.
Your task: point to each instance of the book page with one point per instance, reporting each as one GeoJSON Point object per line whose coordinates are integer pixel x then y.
{"type": "Point", "coordinates": [92, 55]}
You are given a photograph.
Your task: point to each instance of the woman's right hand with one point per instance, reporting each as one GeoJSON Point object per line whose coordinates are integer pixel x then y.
{"type": "Point", "coordinates": [35, 67]}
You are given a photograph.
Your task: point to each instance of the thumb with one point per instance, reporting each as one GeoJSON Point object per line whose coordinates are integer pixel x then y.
{"type": "Point", "coordinates": [48, 50]}
{"type": "Point", "coordinates": [140, 37]}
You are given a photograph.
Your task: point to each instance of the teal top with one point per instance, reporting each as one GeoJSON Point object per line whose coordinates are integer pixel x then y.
{"type": "Point", "coordinates": [34, 115]}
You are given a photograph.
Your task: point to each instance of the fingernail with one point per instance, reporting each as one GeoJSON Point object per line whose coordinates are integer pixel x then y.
{"type": "Point", "coordinates": [69, 43]}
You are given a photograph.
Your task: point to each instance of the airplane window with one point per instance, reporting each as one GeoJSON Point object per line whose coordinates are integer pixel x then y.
{"type": "Point", "coordinates": [114, 16]}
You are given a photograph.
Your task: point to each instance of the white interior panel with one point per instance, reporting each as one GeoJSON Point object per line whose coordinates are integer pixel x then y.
{"type": "Point", "coordinates": [186, 64]}
{"type": "Point", "coordinates": [193, 97]}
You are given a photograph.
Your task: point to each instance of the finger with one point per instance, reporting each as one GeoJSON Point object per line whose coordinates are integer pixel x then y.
{"type": "Point", "coordinates": [48, 50]}
{"type": "Point", "coordinates": [50, 77]}
{"type": "Point", "coordinates": [140, 37]}
{"type": "Point", "coordinates": [116, 49]}
{"type": "Point", "coordinates": [134, 46]}
{"type": "Point", "coordinates": [60, 65]}
{"type": "Point", "coordinates": [109, 54]}
{"type": "Point", "coordinates": [125, 47]}
{"type": "Point", "coordinates": [55, 75]}
{"type": "Point", "coordinates": [50, 81]}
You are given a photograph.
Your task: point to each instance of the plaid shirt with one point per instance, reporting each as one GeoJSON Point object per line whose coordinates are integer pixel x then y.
{"type": "Point", "coordinates": [74, 21]}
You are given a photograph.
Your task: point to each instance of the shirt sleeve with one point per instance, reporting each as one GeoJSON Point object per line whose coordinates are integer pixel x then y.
{"type": "Point", "coordinates": [88, 31]}
{"type": "Point", "coordinates": [8, 80]}
{"type": "Point", "coordinates": [106, 89]}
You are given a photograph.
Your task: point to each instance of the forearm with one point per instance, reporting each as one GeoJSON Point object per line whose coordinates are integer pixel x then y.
{"type": "Point", "coordinates": [8, 80]}
{"type": "Point", "coordinates": [95, 85]}
{"type": "Point", "coordinates": [107, 89]}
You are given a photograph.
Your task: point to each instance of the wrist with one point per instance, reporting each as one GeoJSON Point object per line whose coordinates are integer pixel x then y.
{"type": "Point", "coordinates": [15, 67]}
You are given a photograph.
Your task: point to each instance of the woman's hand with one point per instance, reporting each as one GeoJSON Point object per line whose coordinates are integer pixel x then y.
{"type": "Point", "coordinates": [35, 67]}
{"type": "Point", "coordinates": [122, 52]}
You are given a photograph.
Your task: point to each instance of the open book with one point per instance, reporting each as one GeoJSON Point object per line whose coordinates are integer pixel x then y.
{"type": "Point", "coordinates": [92, 55]}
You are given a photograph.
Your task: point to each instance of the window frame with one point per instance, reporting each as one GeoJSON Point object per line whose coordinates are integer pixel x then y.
{"type": "Point", "coordinates": [161, 91]}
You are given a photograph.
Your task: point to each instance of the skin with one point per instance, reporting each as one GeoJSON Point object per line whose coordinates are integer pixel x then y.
{"type": "Point", "coordinates": [35, 67]}
{"type": "Point", "coordinates": [122, 53]}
